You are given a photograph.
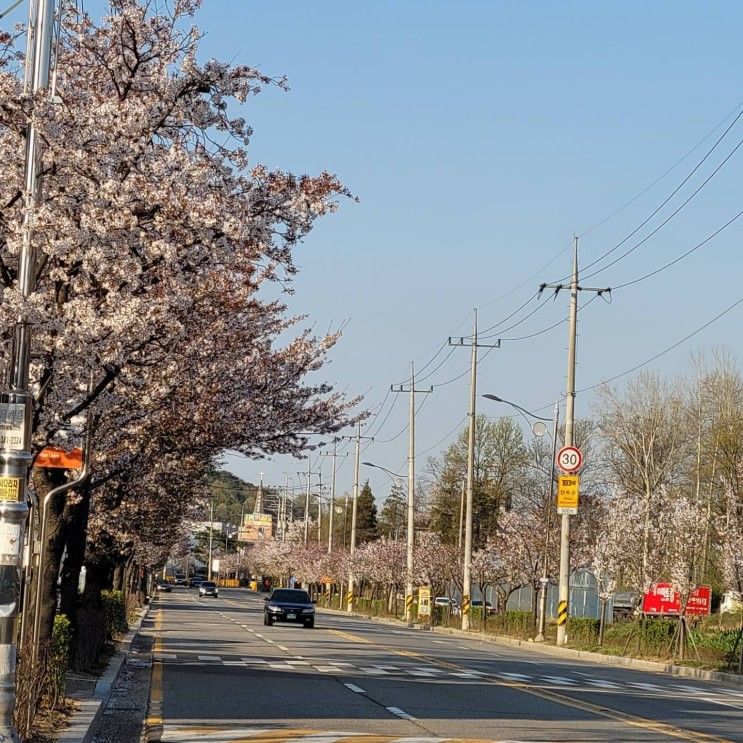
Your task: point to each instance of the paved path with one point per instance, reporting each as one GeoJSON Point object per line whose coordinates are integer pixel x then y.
{"type": "Point", "coordinates": [220, 675]}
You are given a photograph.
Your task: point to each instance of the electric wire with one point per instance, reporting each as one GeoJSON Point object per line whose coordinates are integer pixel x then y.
{"type": "Point", "coordinates": [446, 436]}
{"type": "Point", "coordinates": [662, 175]}
{"type": "Point", "coordinates": [631, 234]}
{"type": "Point", "coordinates": [433, 371]}
{"type": "Point", "coordinates": [665, 350]}
{"type": "Point", "coordinates": [550, 327]}
{"type": "Point", "coordinates": [682, 256]}
{"type": "Point", "coordinates": [668, 219]}
{"type": "Point", "coordinates": [407, 425]}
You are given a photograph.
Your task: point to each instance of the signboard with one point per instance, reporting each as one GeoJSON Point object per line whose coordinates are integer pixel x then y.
{"type": "Point", "coordinates": [215, 564]}
{"type": "Point", "coordinates": [569, 459]}
{"type": "Point", "coordinates": [567, 494]}
{"type": "Point", "coordinates": [12, 424]}
{"type": "Point", "coordinates": [10, 488]}
{"type": "Point", "coordinates": [53, 457]}
{"type": "Point", "coordinates": [255, 527]}
{"type": "Point", "coordinates": [424, 601]}
{"type": "Point", "coordinates": [662, 600]}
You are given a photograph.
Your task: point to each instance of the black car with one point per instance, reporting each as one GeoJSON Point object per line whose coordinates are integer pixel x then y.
{"type": "Point", "coordinates": [195, 582]}
{"type": "Point", "coordinates": [289, 605]}
{"type": "Point", "coordinates": [163, 587]}
{"type": "Point", "coordinates": [207, 588]}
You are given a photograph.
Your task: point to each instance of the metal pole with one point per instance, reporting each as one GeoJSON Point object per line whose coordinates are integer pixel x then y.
{"type": "Point", "coordinates": [331, 517]}
{"type": "Point", "coordinates": [467, 571]}
{"type": "Point", "coordinates": [307, 503]}
{"type": "Point", "coordinates": [211, 536]}
{"type": "Point", "coordinates": [411, 501]}
{"type": "Point", "coordinates": [461, 517]}
{"type": "Point", "coordinates": [357, 463]}
{"type": "Point", "coordinates": [16, 404]}
{"type": "Point", "coordinates": [550, 505]}
{"type": "Point", "coordinates": [319, 506]}
{"type": "Point", "coordinates": [564, 592]}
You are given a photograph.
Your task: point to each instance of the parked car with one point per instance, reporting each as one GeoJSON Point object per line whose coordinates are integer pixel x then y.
{"type": "Point", "coordinates": [195, 582]}
{"type": "Point", "coordinates": [208, 588]}
{"type": "Point", "coordinates": [180, 580]}
{"type": "Point", "coordinates": [446, 603]}
{"type": "Point", "coordinates": [289, 605]}
{"type": "Point", "coordinates": [488, 606]}
{"type": "Point", "coordinates": [163, 586]}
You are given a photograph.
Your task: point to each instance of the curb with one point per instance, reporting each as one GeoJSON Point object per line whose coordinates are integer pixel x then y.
{"type": "Point", "coordinates": [84, 720]}
{"type": "Point", "coordinates": [719, 677]}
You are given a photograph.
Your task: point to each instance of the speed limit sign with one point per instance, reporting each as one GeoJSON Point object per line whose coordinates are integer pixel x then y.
{"type": "Point", "coordinates": [569, 459]}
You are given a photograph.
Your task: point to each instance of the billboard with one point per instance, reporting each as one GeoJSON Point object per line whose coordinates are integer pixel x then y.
{"type": "Point", "coordinates": [663, 600]}
{"type": "Point", "coordinates": [255, 526]}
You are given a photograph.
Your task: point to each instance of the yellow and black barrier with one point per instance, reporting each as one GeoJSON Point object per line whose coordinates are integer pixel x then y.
{"type": "Point", "coordinates": [562, 613]}
{"type": "Point", "coordinates": [349, 598]}
{"type": "Point", "coordinates": [408, 604]}
{"type": "Point", "coordinates": [466, 606]}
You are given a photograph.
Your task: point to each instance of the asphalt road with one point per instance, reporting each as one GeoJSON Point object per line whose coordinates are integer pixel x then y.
{"type": "Point", "coordinates": [220, 675]}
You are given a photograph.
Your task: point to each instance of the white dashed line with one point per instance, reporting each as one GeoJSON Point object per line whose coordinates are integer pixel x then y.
{"type": "Point", "coordinates": [512, 676]}
{"type": "Point", "coordinates": [281, 647]}
{"type": "Point", "coordinates": [562, 680]}
{"type": "Point", "coordinates": [603, 684]}
{"type": "Point", "coordinates": [355, 688]}
{"type": "Point", "coordinates": [397, 711]}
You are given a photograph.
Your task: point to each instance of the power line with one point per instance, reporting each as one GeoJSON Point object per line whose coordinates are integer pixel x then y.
{"type": "Point", "coordinates": [683, 255]}
{"type": "Point", "coordinates": [553, 326]}
{"type": "Point", "coordinates": [662, 176]}
{"type": "Point", "coordinates": [665, 221]}
{"type": "Point", "coordinates": [397, 435]}
{"type": "Point", "coordinates": [666, 350]}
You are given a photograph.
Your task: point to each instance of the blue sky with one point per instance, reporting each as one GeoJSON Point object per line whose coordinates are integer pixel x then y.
{"type": "Point", "coordinates": [479, 137]}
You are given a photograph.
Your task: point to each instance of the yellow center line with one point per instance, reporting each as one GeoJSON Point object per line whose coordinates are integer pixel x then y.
{"type": "Point", "coordinates": [552, 696]}
{"type": "Point", "coordinates": [156, 679]}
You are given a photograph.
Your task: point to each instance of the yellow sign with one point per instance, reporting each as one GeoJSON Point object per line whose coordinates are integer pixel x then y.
{"type": "Point", "coordinates": [424, 601]}
{"type": "Point", "coordinates": [10, 488]}
{"type": "Point", "coordinates": [567, 494]}
{"type": "Point", "coordinates": [255, 527]}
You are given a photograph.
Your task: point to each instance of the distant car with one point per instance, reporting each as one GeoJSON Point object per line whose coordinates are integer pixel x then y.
{"type": "Point", "coordinates": [180, 580]}
{"type": "Point", "coordinates": [488, 606]}
{"type": "Point", "coordinates": [195, 582]}
{"type": "Point", "coordinates": [207, 588]}
{"type": "Point", "coordinates": [163, 586]}
{"type": "Point", "coordinates": [289, 605]}
{"type": "Point", "coordinates": [447, 603]}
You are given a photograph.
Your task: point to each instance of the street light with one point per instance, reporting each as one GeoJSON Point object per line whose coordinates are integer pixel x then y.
{"type": "Point", "coordinates": [411, 535]}
{"type": "Point", "coordinates": [539, 429]}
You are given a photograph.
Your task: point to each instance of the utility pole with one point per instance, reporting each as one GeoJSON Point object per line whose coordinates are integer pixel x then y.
{"type": "Point", "coordinates": [564, 586]}
{"type": "Point", "coordinates": [211, 536]}
{"type": "Point", "coordinates": [16, 402]}
{"type": "Point", "coordinates": [544, 581]}
{"type": "Point", "coordinates": [350, 596]}
{"type": "Point", "coordinates": [331, 518]}
{"type": "Point", "coordinates": [411, 489]}
{"type": "Point", "coordinates": [461, 517]}
{"type": "Point", "coordinates": [467, 569]}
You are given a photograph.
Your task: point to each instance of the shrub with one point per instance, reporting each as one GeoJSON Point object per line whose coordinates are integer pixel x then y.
{"type": "Point", "coordinates": [583, 630]}
{"type": "Point", "coordinates": [59, 658]}
{"type": "Point", "coordinates": [513, 622]}
{"type": "Point", "coordinates": [114, 609]}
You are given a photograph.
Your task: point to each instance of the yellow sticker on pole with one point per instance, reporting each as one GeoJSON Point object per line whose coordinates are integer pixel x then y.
{"type": "Point", "coordinates": [10, 488]}
{"type": "Point", "coordinates": [567, 494]}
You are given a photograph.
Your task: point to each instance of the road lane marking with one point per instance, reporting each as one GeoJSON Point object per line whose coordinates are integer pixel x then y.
{"type": "Point", "coordinates": [155, 711]}
{"type": "Point", "coordinates": [281, 647]}
{"type": "Point", "coordinates": [355, 688]}
{"type": "Point", "coordinates": [655, 726]}
{"type": "Point", "coordinates": [561, 680]}
{"type": "Point", "coordinates": [400, 713]}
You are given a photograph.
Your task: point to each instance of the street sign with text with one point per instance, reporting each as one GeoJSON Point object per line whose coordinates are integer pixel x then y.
{"type": "Point", "coordinates": [569, 459]}
{"type": "Point", "coordinates": [567, 494]}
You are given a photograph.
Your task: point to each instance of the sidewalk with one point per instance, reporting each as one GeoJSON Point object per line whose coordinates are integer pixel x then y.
{"type": "Point", "coordinates": [719, 677]}
{"type": "Point", "coordinates": [94, 696]}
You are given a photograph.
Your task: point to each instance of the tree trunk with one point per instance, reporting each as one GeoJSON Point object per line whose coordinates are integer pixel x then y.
{"type": "Point", "coordinates": [76, 527]}
{"type": "Point", "coordinates": [91, 635]}
{"type": "Point", "coordinates": [45, 480]}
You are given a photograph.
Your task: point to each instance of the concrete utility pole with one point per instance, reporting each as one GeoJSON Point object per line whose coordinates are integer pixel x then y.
{"type": "Point", "coordinates": [564, 586]}
{"type": "Point", "coordinates": [467, 569]}
{"type": "Point", "coordinates": [351, 594]}
{"type": "Point", "coordinates": [331, 518]}
{"type": "Point", "coordinates": [411, 490]}
{"type": "Point", "coordinates": [211, 536]}
{"type": "Point", "coordinates": [544, 581]}
{"type": "Point", "coordinates": [16, 402]}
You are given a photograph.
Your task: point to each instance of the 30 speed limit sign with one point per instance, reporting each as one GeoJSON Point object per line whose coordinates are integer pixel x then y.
{"type": "Point", "coordinates": [569, 459]}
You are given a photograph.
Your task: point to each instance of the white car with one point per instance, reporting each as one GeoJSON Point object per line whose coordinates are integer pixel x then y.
{"type": "Point", "coordinates": [446, 602]}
